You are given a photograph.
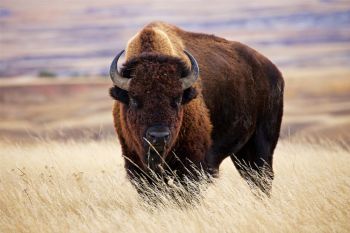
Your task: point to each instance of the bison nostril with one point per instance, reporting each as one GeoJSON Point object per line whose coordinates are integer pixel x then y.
{"type": "Point", "coordinates": [158, 137]}
{"type": "Point", "coordinates": [159, 134]}
{"type": "Point", "coordinates": [166, 138]}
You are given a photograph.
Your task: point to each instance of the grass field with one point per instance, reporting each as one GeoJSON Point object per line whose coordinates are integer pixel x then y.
{"type": "Point", "coordinates": [61, 168]}
{"type": "Point", "coordinates": [81, 187]}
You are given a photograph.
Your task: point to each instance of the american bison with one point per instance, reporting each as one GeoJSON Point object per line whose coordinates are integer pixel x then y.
{"type": "Point", "coordinates": [188, 100]}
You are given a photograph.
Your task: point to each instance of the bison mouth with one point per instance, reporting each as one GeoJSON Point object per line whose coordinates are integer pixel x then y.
{"type": "Point", "coordinates": [154, 158]}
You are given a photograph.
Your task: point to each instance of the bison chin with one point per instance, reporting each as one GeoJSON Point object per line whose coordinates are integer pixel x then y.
{"type": "Point", "coordinates": [155, 158]}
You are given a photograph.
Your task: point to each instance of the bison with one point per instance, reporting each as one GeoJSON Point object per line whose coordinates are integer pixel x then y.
{"type": "Point", "coordinates": [188, 100]}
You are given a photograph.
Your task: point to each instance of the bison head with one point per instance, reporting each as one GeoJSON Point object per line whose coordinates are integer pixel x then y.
{"type": "Point", "coordinates": [153, 89]}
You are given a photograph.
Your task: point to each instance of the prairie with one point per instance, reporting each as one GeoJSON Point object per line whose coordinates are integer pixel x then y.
{"type": "Point", "coordinates": [61, 167]}
{"type": "Point", "coordinates": [52, 186]}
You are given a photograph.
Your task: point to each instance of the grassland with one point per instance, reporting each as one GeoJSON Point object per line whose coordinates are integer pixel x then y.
{"type": "Point", "coordinates": [61, 167]}
{"type": "Point", "coordinates": [81, 187]}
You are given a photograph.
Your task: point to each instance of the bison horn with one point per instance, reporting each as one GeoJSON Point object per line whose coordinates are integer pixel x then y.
{"type": "Point", "coordinates": [117, 78]}
{"type": "Point", "coordinates": [124, 83]}
{"type": "Point", "coordinates": [193, 75]}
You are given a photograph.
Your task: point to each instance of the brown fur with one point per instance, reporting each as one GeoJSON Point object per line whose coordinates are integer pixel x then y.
{"type": "Point", "coordinates": [237, 112]}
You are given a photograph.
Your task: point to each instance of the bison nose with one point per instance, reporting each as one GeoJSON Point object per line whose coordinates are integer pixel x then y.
{"type": "Point", "coordinates": [158, 135]}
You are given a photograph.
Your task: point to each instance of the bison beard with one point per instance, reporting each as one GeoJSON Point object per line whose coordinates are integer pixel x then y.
{"type": "Point", "coordinates": [172, 121]}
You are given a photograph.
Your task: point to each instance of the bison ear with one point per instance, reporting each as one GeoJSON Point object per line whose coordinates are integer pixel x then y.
{"type": "Point", "coordinates": [189, 94]}
{"type": "Point", "coordinates": [119, 94]}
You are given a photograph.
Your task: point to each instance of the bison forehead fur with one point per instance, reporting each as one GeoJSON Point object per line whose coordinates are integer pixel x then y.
{"type": "Point", "coordinates": [154, 72]}
{"type": "Point", "coordinates": [234, 109]}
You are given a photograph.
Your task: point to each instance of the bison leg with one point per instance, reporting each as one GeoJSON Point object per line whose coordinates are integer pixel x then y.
{"type": "Point", "coordinates": [254, 161]}
{"type": "Point", "coordinates": [213, 161]}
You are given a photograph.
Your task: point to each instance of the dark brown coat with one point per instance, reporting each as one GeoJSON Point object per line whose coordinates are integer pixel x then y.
{"type": "Point", "coordinates": [234, 109]}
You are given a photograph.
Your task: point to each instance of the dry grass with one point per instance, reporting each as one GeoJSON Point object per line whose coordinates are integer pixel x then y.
{"type": "Point", "coordinates": [81, 187]}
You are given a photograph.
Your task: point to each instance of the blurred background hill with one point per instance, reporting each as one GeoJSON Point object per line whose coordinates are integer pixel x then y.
{"type": "Point", "coordinates": [55, 56]}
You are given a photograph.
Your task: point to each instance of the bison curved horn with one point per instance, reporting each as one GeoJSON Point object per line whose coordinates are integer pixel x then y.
{"type": "Point", "coordinates": [124, 83]}
{"type": "Point", "coordinates": [117, 78]}
{"type": "Point", "coordinates": [193, 75]}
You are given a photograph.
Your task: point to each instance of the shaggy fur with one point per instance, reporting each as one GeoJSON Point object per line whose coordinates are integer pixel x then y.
{"type": "Point", "coordinates": [234, 109]}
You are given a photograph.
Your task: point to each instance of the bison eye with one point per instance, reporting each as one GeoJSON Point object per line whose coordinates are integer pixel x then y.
{"type": "Point", "coordinates": [176, 102]}
{"type": "Point", "coordinates": [134, 103]}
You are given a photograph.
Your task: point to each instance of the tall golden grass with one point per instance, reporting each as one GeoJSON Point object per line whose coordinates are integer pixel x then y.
{"type": "Point", "coordinates": [81, 187]}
